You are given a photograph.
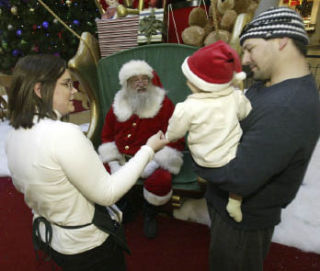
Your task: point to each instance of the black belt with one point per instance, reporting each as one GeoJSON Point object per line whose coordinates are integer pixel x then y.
{"type": "Point", "coordinates": [101, 219]}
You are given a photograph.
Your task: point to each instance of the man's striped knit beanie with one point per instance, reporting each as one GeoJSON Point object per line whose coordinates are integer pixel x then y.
{"type": "Point", "coordinates": [276, 23]}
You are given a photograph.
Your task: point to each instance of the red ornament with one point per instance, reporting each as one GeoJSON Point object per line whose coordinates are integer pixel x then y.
{"type": "Point", "coordinates": [35, 48]}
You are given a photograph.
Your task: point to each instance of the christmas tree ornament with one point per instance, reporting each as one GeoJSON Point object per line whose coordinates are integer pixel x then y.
{"type": "Point", "coordinates": [15, 52]}
{"type": "Point", "coordinates": [4, 45]}
{"type": "Point", "coordinates": [10, 27]}
{"type": "Point", "coordinates": [5, 3]}
{"type": "Point", "coordinates": [35, 48]}
{"type": "Point", "coordinates": [76, 22]}
{"type": "Point", "coordinates": [68, 2]}
{"type": "Point", "coordinates": [14, 10]}
{"type": "Point", "coordinates": [45, 24]}
{"type": "Point", "coordinates": [19, 32]}
{"type": "Point", "coordinates": [55, 21]}
{"type": "Point", "coordinates": [31, 10]}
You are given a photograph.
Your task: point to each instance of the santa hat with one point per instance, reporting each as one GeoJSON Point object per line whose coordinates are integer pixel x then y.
{"type": "Point", "coordinates": [213, 67]}
{"type": "Point", "coordinates": [156, 80]}
{"type": "Point", "coordinates": [133, 68]}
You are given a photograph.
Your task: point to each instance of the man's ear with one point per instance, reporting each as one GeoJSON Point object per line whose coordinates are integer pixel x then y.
{"type": "Point", "coordinates": [283, 42]}
{"type": "Point", "coordinates": [37, 89]}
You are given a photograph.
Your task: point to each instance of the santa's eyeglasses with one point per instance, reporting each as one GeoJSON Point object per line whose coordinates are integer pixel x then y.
{"type": "Point", "coordinates": [136, 80]}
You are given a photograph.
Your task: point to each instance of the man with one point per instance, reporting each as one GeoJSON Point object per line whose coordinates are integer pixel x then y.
{"type": "Point", "coordinates": [140, 109]}
{"type": "Point", "coordinates": [279, 136]}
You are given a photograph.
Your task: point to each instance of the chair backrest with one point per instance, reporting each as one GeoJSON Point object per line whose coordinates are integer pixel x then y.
{"type": "Point", "coordinates": [164, 58]}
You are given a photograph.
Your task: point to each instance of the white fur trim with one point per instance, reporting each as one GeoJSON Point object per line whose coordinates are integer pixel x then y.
{"type": "Point", "coordinates": [200, 83]}
{"type": "Point", "coordinates": [133, 68]}
{"type": "Point", "coordinates": [194, 210]}
{"type": "Point", "coordinates": [155, 199]}
{"type": "Point", "coordinates": [109, 152]}
{"type": "Point", "coordinates": [123, 110]}
{"type": "Point", "coordinates": [169, 159]}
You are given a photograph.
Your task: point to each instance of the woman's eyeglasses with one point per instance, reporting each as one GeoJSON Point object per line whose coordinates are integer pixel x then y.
{"type": "Point", "coordinates": [68, 84]}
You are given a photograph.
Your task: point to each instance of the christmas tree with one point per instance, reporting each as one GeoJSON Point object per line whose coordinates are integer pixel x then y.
{"type": "Point", "coordinates": [27, 27]}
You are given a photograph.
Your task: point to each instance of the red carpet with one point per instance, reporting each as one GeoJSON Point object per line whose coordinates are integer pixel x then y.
{"type": "Point", "coordinates": [179, 246]}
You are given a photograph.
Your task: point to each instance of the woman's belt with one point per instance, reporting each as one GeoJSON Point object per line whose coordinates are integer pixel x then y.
{"type": "Point", "coordinates": [101, 219]}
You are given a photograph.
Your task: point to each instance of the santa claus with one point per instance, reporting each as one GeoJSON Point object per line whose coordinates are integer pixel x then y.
{"type": "Point", "coordinates": [140, 109]}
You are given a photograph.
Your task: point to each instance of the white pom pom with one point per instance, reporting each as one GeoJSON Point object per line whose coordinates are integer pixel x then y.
{"type": "Point", "coordinates": [240, 76]}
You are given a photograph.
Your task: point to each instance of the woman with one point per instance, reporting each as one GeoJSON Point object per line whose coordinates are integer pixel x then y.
{"type": "Point", "coordinates": [57, 169]}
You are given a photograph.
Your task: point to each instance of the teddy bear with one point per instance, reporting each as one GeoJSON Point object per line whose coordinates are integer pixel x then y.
{"type": "Point", "coordinates": [202, 29]}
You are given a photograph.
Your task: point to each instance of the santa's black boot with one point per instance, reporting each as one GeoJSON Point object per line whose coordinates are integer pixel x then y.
{"type": "Point", "coordinates": [150, 227]}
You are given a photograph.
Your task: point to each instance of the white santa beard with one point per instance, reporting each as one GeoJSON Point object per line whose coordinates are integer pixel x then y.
{"type": "Point", "coordinates": [139, 100]}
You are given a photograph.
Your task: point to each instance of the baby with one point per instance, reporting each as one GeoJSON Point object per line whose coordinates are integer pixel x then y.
{"type": "Point", "coordinates": [212, 113]}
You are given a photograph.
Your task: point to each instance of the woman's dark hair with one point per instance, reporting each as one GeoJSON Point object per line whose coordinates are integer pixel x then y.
{"type": "Point", "coordinates": [24, 103]}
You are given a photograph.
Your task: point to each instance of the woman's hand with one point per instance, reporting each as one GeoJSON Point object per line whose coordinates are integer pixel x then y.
{"type": "Point", "coordinates": [157, 141]}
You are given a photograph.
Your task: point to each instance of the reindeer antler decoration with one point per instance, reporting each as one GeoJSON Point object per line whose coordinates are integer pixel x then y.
{"type": "Point", "coordinates": [214, 17]}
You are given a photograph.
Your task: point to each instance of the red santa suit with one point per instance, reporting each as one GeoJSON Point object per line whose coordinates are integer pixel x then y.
{"type": "Point", "coordinates": [125, 131]}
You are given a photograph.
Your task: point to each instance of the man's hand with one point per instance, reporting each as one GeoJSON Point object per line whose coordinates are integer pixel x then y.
{"type": "Point", "coordinates": [157, 141]}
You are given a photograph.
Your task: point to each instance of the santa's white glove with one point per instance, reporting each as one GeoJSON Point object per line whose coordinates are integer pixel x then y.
{"type": "Point", "coordinates": [114, 166]}
{"type": "Point", "coordinates": [149, 169]}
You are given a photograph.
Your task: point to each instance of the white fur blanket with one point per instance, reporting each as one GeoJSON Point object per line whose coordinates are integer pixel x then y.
{"type": "Point", "coordinates": [300, 221]}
